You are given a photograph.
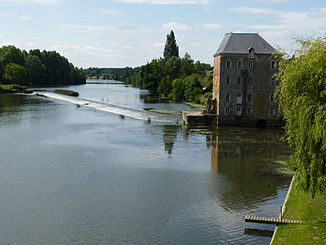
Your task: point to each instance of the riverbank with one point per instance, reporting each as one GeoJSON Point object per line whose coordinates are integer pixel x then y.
{"type": "Point", "coordinates": [13, 89]}
{"type": "Point", "coordinates": [301, 206]}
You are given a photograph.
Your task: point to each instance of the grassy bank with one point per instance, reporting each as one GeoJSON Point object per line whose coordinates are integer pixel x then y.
{"type": "Point", "coordinates": [301, 206]}
{"type": "Point", "coordinates": [12, 88]}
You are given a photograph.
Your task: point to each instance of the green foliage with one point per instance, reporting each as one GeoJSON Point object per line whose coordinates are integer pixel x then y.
{"type": "Point", "coordinates": [182, 79]}
{"type": "Point", "coordinates": [171, 48]}
{"type": "Point", "coordinates": [14, 73]}
{"type": "Point", "coordinates": [302, 99]}
{"type": "Point", "coordinates": [37, 68]}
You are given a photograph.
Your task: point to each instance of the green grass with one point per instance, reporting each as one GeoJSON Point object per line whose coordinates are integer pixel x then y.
{"type": "Point", "coordinates": [6, 86]}
{"type": "Point", "coordinates": [301, 206]}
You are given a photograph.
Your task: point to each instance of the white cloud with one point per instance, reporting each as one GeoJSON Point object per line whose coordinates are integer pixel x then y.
{"type": "Point", "coordinates": [167, 2]}
{"type": "Point", "coordinates": [272, 1]}
{"type": "Point", "coordinates": [31, 1]}
{"type": "Point", "coordinates": [24, 18]}
{"type": "Point", "coordinates": [175, 26]}
{"type": "Point", "coordinates": [112, 12]}
{"type": "Point", "coordinates": [247, 10]}
{"type": "Point", "coordinates": [6, 15]}
{"type": "Point", "coordinates": [212, 26]}
{"type": "Point", "coordinates": [288, 25]}
{"type": "Point", "coordinates": [158, 45]}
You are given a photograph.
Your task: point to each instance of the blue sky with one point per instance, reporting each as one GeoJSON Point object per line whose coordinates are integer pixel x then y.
{"type": "Point", "coordinates": [119, 33]}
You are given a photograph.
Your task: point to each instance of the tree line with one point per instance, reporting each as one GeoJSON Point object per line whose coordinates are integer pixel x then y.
{"type": "Point", "coordinates": [37, 68]}
{"type": "Point", "coordinates": [302, 100]}
{"type": "Point", "coordinates": [182, 79]}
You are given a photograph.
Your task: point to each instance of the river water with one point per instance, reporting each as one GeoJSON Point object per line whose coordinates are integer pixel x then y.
{"type": "Point", "coordinates": [85, 175]}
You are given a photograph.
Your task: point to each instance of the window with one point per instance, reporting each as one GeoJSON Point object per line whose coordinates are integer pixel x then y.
{"type": "Point", "coordinates": [238, 99]}
{"type": "Point", "coordinates": [249, 110]}
{"type": "Point", "coordinates": [273, 64]}
{"type": "Point", "coordinates": [228, 64]}
{"type": "Point", "coordinates": [271, 97]}
{"type": "Point", "coordinates": [227, 97]}
{"type": "Point", "coordinates": [250, 80]}
{"type": "Point", "coordinates": [238, 108]}
{"type": "Point", "coordinates": [239, 64]}
{"type": "Point", "coordinates": [251, 64]}
{"type": "Point", "coordinates": [227, 110]}
{"type": "Point", "coordinates": [249, 97]}
{"type": "Point", "coordinates": [239, 80]}
{"type": "Point", "coordinates": [227, 80]}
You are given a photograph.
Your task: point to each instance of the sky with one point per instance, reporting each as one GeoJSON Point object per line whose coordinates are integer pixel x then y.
{"type": "Point", "coordinates": [120, 33]}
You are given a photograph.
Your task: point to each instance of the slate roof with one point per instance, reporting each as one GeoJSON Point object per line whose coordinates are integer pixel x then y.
{"type": "Point", "coordinates": [240, 43]}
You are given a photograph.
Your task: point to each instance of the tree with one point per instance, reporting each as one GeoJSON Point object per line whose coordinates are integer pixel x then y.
{"type": "Point", "coordinates": [16, 74]}
{"type": "Point", "coordinates": [187, 66]}
{"type": "Point", "coordinates": [171, 48]}
{"type": "Point", "coordinates": [302, 99]}
{"type": "Point", "coordinates": [35, 70]}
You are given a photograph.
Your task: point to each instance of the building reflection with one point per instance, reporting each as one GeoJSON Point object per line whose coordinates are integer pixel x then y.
{"type": "Point", "coordinates": [169, 137]}
{"type": "Point", "coordinates": [246, 158]}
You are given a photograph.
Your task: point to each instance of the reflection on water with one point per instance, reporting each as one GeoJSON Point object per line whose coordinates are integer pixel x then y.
{"type": "Point", "coordinates": [83, 176]}
{"type": "Point", "coordinates": [237, 153]}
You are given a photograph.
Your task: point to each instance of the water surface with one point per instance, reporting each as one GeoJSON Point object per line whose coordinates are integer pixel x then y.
{"type": "Point", "coordinates": [79, 175]}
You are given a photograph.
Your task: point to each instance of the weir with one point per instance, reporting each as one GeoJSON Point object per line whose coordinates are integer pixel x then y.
{"type": "Point", "coordinates": [119, 110]}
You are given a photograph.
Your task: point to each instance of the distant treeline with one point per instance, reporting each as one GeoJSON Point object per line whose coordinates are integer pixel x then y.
{"type": "Point", "coordinates": [37, 68]}
{"type": "Point", "coordinates": [179, 78]}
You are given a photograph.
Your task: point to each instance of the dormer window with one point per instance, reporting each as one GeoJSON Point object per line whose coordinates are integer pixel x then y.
{"type": "Point", "coordinates": [228, 64]}
{"type": "Point", "coordinates": [251, 51]}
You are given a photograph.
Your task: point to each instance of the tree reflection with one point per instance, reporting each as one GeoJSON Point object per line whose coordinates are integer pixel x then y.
{"type": "Point", "coordinates": [247, 158]}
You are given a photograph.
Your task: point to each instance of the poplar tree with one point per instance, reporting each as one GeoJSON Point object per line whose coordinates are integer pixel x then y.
{"type": "Point", "coordinates": [302, 99]}
{"type": "Point", "coordinates": [171, 48]}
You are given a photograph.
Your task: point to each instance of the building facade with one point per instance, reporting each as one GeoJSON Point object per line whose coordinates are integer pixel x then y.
{"type": "Point", "coordinates": [244, 83]}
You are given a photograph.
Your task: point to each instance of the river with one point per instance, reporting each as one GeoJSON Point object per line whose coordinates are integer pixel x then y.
{"type": "Point", "coordinates": [86, 175]}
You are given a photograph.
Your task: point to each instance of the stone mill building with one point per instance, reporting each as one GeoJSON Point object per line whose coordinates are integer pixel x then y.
{"type": "Point", "coordinates": [243, 82]}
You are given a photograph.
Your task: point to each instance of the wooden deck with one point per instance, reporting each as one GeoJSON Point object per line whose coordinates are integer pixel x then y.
{"type": "Point", "coordinates": [274, 221]}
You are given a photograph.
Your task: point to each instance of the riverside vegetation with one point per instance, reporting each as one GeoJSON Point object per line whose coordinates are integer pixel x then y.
{"type": "Point", "coordinates": [182, 79]}
{"type": "Point", "coordinates": [36, 68]}
{"type": "Point", "coordinates": [302, 99]}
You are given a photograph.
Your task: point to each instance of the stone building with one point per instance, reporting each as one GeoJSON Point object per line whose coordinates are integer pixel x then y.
{"type": "Point", "coordinates": [243, 82]}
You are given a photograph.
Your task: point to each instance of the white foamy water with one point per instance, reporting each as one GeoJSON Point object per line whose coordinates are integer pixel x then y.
{"type": "Point", "coordinates": [119, 110]}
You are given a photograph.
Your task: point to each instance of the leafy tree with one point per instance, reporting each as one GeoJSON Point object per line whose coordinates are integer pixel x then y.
{"type": "Point", "coordinates": [178, 89]}
{"type": "Point", "coordinates": [171, 48]}
{"type": "Point", "coordinates": [193, 88]}
{"type": "Point", "coordinates": [173, 67]}
{"type": "Point", "coordinates": [302, 99]}
{"type": "Point", "coordinates": [165, 86]}
{"type": "Point", "coordinates": [35, 69]}
{"type": "Point", "coordinates": [15, 74]}
{"type": "Point", "coordinates": [187, 66]}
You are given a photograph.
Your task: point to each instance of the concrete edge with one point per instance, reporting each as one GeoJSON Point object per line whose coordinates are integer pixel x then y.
{"type": "Point", "coordinates": [283, 207]}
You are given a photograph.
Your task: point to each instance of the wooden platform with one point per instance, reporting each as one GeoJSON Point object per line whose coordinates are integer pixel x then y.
{"type": "Point", "coordinates": [274, 221]}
